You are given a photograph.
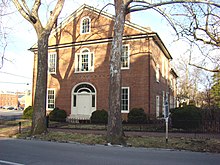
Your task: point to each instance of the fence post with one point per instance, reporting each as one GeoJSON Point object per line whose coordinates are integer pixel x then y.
{"type": "Point", "coordinates": [47, 121]}
{"type": "Point", "coordinates": [19, 127]}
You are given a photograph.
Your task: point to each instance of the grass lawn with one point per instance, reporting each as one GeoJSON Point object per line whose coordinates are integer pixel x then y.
{"type": "Point", "coordinates": [183, 143]}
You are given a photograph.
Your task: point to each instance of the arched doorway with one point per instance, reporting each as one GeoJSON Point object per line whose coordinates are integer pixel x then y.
{"type": "Point", "coordinates": [83, 101]}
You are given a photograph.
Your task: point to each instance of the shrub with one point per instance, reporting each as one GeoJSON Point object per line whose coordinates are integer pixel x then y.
{"type": "Point", "coordinates": [137, 116]}
{"type": "Point", "coordinates": [99, 117]}
{"type": "Point", "coordinates": [57, 115]}
{"type": "Point", "coordinates": [28, 113]}
{"type": "Point", "coordinates": [187, 117]}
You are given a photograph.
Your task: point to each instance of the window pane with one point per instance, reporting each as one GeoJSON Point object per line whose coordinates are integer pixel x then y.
{"type": "Point", "coordinates": [93, 100]}
{"type": "Point", "coordinates": [84, 62]}
{"type": "Point", "coordinates": [124, 99]}
{"type": "Point", "coordinates": [52, 63]}
{"type": "Point", "coordinates": [51, 99]}
{"type": "Point", "coordinates": [74, 100]}
{"type": "Point", "coordinates": [124, 57]}
{"type": "Point", "coordinates": [85, 25]}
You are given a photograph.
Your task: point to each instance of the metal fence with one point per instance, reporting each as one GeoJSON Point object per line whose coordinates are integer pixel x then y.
{"type": "Point", "coordinates": [206, 126]}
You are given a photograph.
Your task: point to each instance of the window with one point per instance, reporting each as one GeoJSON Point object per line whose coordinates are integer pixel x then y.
{"type": "Point", "coordinates": [157, 106]}
{"type": "Point", "coordinates": [163, 101]}
{"type": "Point", "coordinates": [171, 82]}
{"type": "Point", "coordinates": [171, 102]}
{"type": "Point", "coordinates": [84, 61]}
{"type": "Point", "coordinates": [52, 60]}
{"type": "Point", "coordinates": [125, 99]}
{"type": "Point", "coordinates": [85, 25]}
{"type": "Point", "coordinates": [125, 60]}
{"type": "Point", "coordinates": [163, 66]}
{"type": "Point", "coordinates": [157, 73]}
{"type": "Point", "coordinates": [50, 99]}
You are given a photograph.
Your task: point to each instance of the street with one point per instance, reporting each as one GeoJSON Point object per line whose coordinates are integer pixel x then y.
{"type": "Point", "coordinates": [10, 114]}
{"type": "Point", "coordinates": [32, 152]}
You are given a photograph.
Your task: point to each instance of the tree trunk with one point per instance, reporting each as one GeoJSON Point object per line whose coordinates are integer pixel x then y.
{"type": "Point", "coordinates": [39, 115]}
{"type": "Point", "coordinates": [114, 130]}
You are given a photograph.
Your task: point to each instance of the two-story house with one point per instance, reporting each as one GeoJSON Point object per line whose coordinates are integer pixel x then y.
{"type": "Point", "coordinates": [78, 66]}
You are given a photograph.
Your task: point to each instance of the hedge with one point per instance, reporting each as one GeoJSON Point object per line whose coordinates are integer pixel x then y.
{"type": "Point", "coordinates": [187, 117]}
{"type": "Point", "coordinates": [99, 117]}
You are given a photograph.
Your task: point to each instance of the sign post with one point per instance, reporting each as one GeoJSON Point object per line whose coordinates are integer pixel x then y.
{"type": "Point", "coordinates": [166, 116]}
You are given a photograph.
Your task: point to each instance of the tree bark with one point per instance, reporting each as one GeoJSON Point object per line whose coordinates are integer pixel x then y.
{"type": "Point", "coordinates": [39, 115]}
{"type": "Point", "coordinates": [114, 130]}
{"type": "Point", "coordinates": [39, 119]}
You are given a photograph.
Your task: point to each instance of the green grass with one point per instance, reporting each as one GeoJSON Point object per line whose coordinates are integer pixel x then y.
{"type": "Point", "coordinates": [191, 144]}
{"type": "Point", "coordinates": [10, 129]}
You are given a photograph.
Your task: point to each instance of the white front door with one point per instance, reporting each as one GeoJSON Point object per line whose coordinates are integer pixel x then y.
{"type": "Point", "coordinates": [84, 104]}
{"type": "Point", "coordinates": [83, 101]}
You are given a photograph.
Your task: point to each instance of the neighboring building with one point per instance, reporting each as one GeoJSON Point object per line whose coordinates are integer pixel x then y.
{"type": "Point", "coordinates": [15, 99]}
{"type": "Point", "coordinates": [78, 66]}
{"type": "Point", "coordinates": [8, 99]}
{"type": "Point", "coordinates": [28, 98]}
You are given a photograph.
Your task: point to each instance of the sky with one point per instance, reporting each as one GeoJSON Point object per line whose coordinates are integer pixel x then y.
{"type": "Point", "coordinates": [16, 74]}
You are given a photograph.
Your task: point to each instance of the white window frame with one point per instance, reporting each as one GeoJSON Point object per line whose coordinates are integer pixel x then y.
{"type": "Point", "coordinates": [163, 67]}
{"type": "Point", "coordinates": [52, 63]}
{"type": "Point", "coordinates": [157, 106]}
{"type": "Point", "coordinates": [171, 102]}
{"type": "Point", "coordinates": [54, 98]}
{"type": "Point", "coordinates": [163, 101]}
{"type": "Point", "coordinates": [82, 25]}
{"type": "Point", "coordinates": [79, 61]}
{"type": "Point", "coordinates": [128, 100]}
{"type": "Point", "coordinates": [158, 73]}
{"type": "Point", "coordinates": [123, 56]}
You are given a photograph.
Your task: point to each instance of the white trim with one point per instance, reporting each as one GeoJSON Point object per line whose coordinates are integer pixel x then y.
{"type": "Point", "coordinates": [157, 106]}
{"type": "Point", "coordinates": [81, 25]}
{"type": "Point", "coordinates": [74, 112]}
{"type": "Point", "coordinates": [128, 46]}
{"type": "Point", "coordinates": [78, 62]}
{"type": "Point", "coordinates": [163, 101]}
{"type": "Point", "coordinates": [52, 55]}
{"type": "Point", "coordinates": [52, 89]}
{"type": "Point", "coordinates": [81, 9]}
{"type": "Point", "coordinates": [157, 73]}
{"type": "Point", "coordinates": [126, 111]}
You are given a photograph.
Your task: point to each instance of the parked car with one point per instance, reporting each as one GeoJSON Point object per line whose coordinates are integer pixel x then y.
{"type": "Point", "coordinates": [10, 108]}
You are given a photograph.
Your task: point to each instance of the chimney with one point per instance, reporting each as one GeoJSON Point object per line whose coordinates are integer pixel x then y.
{"type": "Point", "coordinates": [128, 16]}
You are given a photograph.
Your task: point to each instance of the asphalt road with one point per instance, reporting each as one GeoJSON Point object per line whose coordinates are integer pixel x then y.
{"type": "Point", "coordinates": [10, 114]}
{"type": "Point", "coordinates": [31, 152]}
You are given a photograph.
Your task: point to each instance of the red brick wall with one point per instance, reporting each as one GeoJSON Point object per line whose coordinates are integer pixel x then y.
{"type": "Point", "coordinates": [144, 55]}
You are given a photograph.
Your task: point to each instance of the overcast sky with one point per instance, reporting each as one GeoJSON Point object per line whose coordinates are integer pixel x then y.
{"type": "Point", "coordinates": [17, 70]}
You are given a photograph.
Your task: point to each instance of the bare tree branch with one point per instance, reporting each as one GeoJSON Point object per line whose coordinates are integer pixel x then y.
{"type": "Point", "coordinates": [204, 68]}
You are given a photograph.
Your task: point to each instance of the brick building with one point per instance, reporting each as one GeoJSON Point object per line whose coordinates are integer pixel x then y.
{"type": "Point", "coordinates": [78, 66]}
{"type": "Point", "coordinates": [8, 99]}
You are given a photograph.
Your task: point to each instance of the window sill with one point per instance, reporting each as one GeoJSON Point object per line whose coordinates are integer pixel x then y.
{"type": "Point", "coordinates": [84, 71]}
{"type": "Point", "coordinates": [124, 111]}
{"type": "Point", "coordinates": [125, 68]}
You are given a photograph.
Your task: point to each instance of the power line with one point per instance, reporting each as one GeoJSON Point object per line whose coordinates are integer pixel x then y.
{"type": "Point", "coordinates": [15, 75]}
{"type": "Point", "coordinates": [14, 83]}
